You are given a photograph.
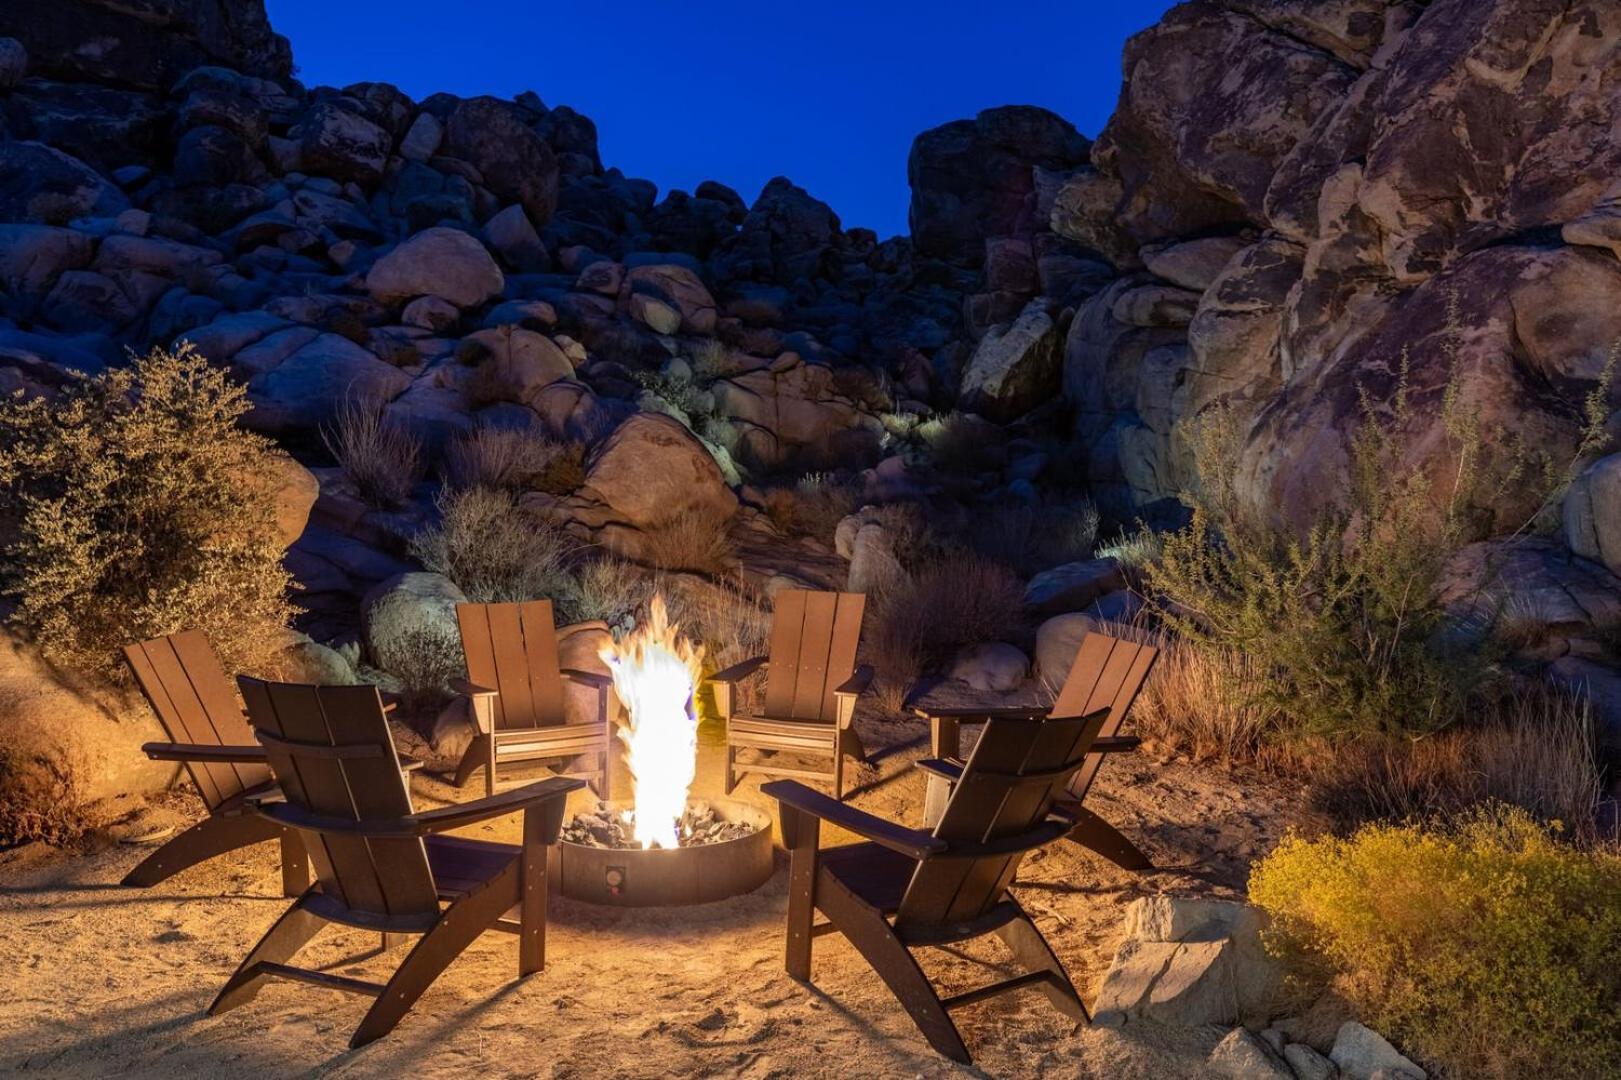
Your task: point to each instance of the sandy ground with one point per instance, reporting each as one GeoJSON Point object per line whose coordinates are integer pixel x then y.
{"type": "Point", "coordinates": [106, 981]}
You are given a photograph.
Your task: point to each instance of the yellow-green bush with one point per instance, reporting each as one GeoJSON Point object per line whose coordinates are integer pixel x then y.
{"type": "Point", "coordinates": [137, 507]}
{"type": "Point", "coordinates": [1489, 948]}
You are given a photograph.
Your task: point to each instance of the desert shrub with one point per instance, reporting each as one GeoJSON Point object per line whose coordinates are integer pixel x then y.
{"type": "Point", "coordinates": [514, 459]}
{"type": "Point", "coordinates": [921, 616]}
{"type": "Point", "coordinates": [696, 539]}
{"type": "Point", "coordinates": [961, 443]}
{"type": "Point", "coordinates": [140, 509]}
{"type": "Point", "coordinates": [605, 588]}
{"type": "Point", "coordinates": [1133, 549]}
{"type": "Point", "coordinates": [813, 506]}
{"type": "Point", "coordinates": [1032, 537]}
{"type": "Point", "coordinates": [494, 549]}
{"type": "Point", "coordinates": [1532, 748]}
{"type": "Point", "coordinates": [424, 657]}
{"type": "Point", "coordinates": [726, 616]}
{"type": "Point", "coordinates": [38, 801]}
{"type": "Point", "coordinates": [694, 402]}
{"type": "Point", "coordinates": [380, 458]}
{"type": "Point", "coordinates": [712, 359]}
{"type": "Point", "coordinates": [1489, 948]}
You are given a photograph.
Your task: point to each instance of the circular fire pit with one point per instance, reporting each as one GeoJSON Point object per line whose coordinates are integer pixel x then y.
{"type": "Point", "coordinates": [656, 877]}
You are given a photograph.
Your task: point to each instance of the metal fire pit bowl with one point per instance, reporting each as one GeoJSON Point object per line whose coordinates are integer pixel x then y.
{"type": "Point", "coordinates": [656, 877]}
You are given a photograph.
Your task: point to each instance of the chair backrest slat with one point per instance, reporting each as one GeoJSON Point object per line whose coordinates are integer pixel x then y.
{"type": "Point", "coordinates": [371, 876]}
{"type": "Point", "coordinates": [1108, 673]}
{"type": "Point", "coordinates": [181, 678]}
{"type": "Point", "coordinates": [814, 636]}
{"type": "Point", "coordinates": [512, 648]}
{"type": "Point", "coordinates": [996, 799]}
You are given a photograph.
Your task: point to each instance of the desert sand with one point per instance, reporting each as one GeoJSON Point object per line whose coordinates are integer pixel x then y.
{"type": "Point", "coordinates": [106, 981]}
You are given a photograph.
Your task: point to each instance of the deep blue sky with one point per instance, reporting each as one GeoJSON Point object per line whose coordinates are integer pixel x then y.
{"type": "Point", "coordinates": [829, 94]}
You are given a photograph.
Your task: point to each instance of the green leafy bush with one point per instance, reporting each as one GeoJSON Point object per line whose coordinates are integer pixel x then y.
{"type": "Point", "coordinates": [140, 508]}
{"type": "Point", "coordinates": [1489, 949]}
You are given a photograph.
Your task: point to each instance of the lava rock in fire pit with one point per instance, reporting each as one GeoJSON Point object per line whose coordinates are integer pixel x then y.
{"type": "Point", "coordinates": [610, 827]}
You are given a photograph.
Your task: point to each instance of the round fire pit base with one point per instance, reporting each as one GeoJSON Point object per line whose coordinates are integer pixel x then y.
{"type": "Point", "coordinates": [656, 877]}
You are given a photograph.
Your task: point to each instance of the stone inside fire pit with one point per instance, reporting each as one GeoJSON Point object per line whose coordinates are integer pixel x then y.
{"type": "Point", "coordinates": [609, 826]}
{"type": "Point", "coordinates": [725, 851]}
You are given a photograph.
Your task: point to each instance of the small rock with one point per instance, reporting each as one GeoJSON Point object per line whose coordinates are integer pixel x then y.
{"type": "Point", "coordinates": [1307, 1063]}
{"type": "Point", "coordinates": [991, 666]}
{"type": "Point", "coordinates": [422, 140]}
{"type": "Point", "coordinates": [1243, 1056]}
{"type": "Point", "coordinates": [1361, 1053]}
{"type": "Point", "coordinates": [431, 313]}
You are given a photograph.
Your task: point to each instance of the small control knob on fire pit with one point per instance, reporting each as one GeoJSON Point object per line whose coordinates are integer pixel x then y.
{"type": "Point", "coordinates": [614, 879]}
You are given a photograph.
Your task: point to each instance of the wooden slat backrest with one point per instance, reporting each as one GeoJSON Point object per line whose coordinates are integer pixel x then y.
{"type": "Point", "coordinates": [1108, 673]}
{"type": "Point", "coordinates": [814, 636]}
{"type": "Point", "coordinates": [1008, 785]}
{"type": "Point", "coordinates": [185, 685]}
{"type": "Point", "coordinates": [512, 648]}
{"type": "Point", "coordinates": [369, 876]}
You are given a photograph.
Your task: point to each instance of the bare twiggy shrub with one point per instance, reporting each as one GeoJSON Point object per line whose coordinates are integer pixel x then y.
{"type": "Point", "coordinates": [495, 550]}
{"type": "Point", "coordinates": [39, 800]}
{"type": "Point", "coordinates": [813, 506]}
{"type": "Point", "coordinates": [383, 460]}
{"type": "Point", "coordinates": [606, 588]}
{"type": "Point", "coordinates": [920, 617]}
{"type": "Point", "coordinates": [511, 459]}
{"type": "Point", "coordinates": [712, 359]}
{"type": "Point", "coordinates": [138, 508]}
{"type": "Point", "coordinates": [725, 616]}
{"type": "Point", "coordinates": [425, 657]}
{"type": "Point", "coordinates": [695, 539]}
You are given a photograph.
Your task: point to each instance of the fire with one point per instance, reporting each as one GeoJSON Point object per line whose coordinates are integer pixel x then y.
{"type": "Point", "coordinates": [656, 673]}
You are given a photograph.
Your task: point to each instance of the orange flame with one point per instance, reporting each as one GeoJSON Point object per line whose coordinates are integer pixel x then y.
{"type": "Point", "coordinates": [656, 672]}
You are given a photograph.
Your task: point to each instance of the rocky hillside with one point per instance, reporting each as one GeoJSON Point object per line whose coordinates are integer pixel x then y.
{"type": "Point", "coordinates": [1295, 200]}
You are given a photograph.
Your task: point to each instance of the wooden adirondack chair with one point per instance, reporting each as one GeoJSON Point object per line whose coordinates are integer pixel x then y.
{"type": "Point", "coordinates": [515, 683]}
{"type": "Point", "coordinates": [902, 889]}
{"type": "Point", "coordinates": [812, 684]}
{"type": "Point", "coordinates": [1108, 673]}
{"type": "Point", "coordinates": [381, 866]}
{"type": "Point", "coordinates": [183, 682]}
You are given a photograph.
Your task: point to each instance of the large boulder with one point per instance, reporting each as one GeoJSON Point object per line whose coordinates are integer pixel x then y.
{"type": "Point", "coordinates": [43, 185]}
{"type": "Point", "coordinates": [63, 748]}
{"type": "Point", "coordinates": [515, 162]}
{"type": "Point", "coordinates": [1015, 367]}
{"type": "Point", "coordinates": [333, 141]}
{"type": "Point", "coordinates": [652, 469]}
{"type": "Point", "coordinates": [679, 289]}
{"type": "Point", "coordinates": [304, 390]}
{"type": "Point", "coordinates": [1188, 963]}
{"type": "Point", "coordinates": [974, 179]}
{"type": "Point", "coordinates": [148, 45]}
{"type": "Point", "coordinates": [791, 410]}
{"type": "Point", "coordinates": [442, 262]}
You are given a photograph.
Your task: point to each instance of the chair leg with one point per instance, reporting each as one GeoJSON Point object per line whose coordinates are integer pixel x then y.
{"type": "Point", "coordinates": [838, 773]}
{"type": "Point", "coordinates": [866, 929]}
{"type": "Point", "coordinates": [731, 767]}
{"type": "Point", "coordinates": [489, 769]}
{"type": "Point", "coordinates": [1031, 950]}
{"type": "Point", "coordinates": [203, 841]}
{"type": "Point", "coordinates": [295, 865]}
{"type": "Point", "coordinates": [290, 933]}
{"type": "Point", "coordinates": [1097, 835]}
{"type": "Point", "coordinates": [460, 924]}
{"type": "Point", "coordinates": [605, 771]}
{"type": "Point", "coordinates": [476, 754]}
{"type": "Point", "coordinates": [801, 834]}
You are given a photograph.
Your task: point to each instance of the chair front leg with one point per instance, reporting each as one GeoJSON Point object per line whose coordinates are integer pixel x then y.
{"type": "Point", "coordinates": [540, 826]}
{"type": "Point", "coordinates": [295, 864]}
{"type": "Point", "coordinates": [801, 833]}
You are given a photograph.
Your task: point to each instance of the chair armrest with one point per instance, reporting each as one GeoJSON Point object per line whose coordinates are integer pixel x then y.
{"type": "Point", "coordinates": [858, 682]}
{"type": "Point", "coordinates": [980, 713]}
{"type": "Point", "coordinates": [740, 671]}
{"type": "Point", "coordinates": [589, 678]}
{"type": "Point", "coordinates": [472, 689]}
{"type": "Point", "coordinates": [228, 755]}
{"type": "Point", "coordinates": [913, 843]}
{"type": "Point", "coordinates": [949, 770]}
{"type": "Point", "coordinates": [1116, 744]}
{"type": "Point", "coordinates": [414, 825]}
{"type": "Point", "coordinates": [409, 763]}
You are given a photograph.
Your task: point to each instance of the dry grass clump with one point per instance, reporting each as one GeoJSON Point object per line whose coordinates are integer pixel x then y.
{"type": "Point", "coordinates": [713, 359]}
{"type": "Point", "coordinates": [495, 550]}
{"type": "Point", "coordinates": [38, 800]}
{"type": "Point", "coordinates": [1133, 549]}
{"type": "Point", "coordinates": [383, 460]}
{"type": "Point", "coordinates": [506, 458]}
{"type": "Point", "coordinates": [961, 443]}
{"type": "Point", "coordinates": [697, 539]}
{"type": "Point", "coordinates": [920, 617]}
{"type": "Point", "coordinates": [1533, 749]}
{"type": "Point", "coordinates": [605, 588]}
{"type": "Point", "coordinates": [813, 506]}
{"type": "Point", "coordinates": [1206, 703]}
{"type": "Point", "coordinates": [1485, 947]}
{"type": "Point", "coordinates": [726, 616]}
{"type": "Point", "coordinates": [424, 657]}
{"type": "Point", "coordinates": [139, 508]}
